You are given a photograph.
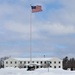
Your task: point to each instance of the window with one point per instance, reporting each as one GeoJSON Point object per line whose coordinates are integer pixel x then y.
{"type": "Point", "coordinates": [24, 62]}
{"type": "Point", "coordinates": [59, 66]}
{"type": "Point", "coordinates": [45, 62]}
{"type": "Point", "coordinates": [54, 62]}
{"type": "Point", "coordinates": [24, 66]}
{"type": "Point", "coordinates": [20, 62]}
{"type": "Point", "coordinates": [6, 62]}
{"type": "Point", "coordinates": [41, 66]}
{"type": "Point", "coordinates": [54, 66]}
{"type": "Point", "coordinates": [11, 62]}
{"type": "Point", "coordinates": [50, 62]}
{"type": "Point", "coordinates": [50, 66]}
{"type": "Point", "coordinates": [59, 62]}
{"type": "Point", "coordinates": [32, 61]}
{"type": "Point", "coordinates": [27, 66]}
{"type": "Point", "coordinates": [41, 62]}
{"type": "Point", "coordinates": [37, 66]}
{"type": "Point", "coordinates": [28, 62]}
{"type": "Point", "coordinates": [15, 62]}
{"type": "Point", "coordinates": [37, 62]}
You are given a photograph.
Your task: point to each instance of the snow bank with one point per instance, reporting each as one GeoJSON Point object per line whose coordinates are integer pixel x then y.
{"type": "Point", "coordinates": [42, 71]}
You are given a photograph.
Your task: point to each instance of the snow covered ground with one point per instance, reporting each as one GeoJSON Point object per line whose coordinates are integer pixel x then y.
{"type": "Point", "coordinates": [42, 71]}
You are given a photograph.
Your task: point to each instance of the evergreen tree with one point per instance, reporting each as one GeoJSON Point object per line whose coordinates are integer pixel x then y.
{"type": "Point", "coordinates": [65, 63]}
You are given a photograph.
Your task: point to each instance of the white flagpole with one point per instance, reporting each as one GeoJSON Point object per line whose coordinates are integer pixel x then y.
{"type": "Point", "coordinates": [31, 33]}
{"type": "Point", "coordinates": [30, 36]}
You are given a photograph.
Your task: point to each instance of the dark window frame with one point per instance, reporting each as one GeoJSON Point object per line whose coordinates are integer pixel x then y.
{"type": "Point", "coordinates": [6, 62]}
{"type": "Point", "coordinates": [59, 62]}
{"type": "Point", "coordinates": [54, 62]}
{"type": "Point", "coordinates": [54, 66]}
{"type": "Point", "coordinates": [28, 61]}
{"type": "Point", "coordinates": [20, 62]}
{"type": "Point", "coordinates": [59, 66]}
{"type": "Point", "coordinates": [50, 62]}
{"type": "Point", "coordinates": [44, 62]}
{"type": "Point", "coordinates": [41, 62]}
{"type": "Point", "coordinates": [24, 62]}
{"type": "Point", "coordinates": [10, 62]}
{"type": "Point", "coordinates": [15, 62]}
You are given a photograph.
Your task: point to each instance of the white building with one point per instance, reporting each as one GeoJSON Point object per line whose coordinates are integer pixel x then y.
{"type": "Point", "coordinates": [38, 62]}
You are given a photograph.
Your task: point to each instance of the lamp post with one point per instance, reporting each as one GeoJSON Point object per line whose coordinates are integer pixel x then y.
{"type": "Point", "coordinates": [48, 64]}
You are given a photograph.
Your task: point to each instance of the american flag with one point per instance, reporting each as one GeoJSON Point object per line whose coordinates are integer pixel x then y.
{"type": "Point", "coordinates": [37, 8]}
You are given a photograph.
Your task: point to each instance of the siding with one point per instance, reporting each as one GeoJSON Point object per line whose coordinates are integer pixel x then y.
{"type": "Point", "coordinates": [24, 62]}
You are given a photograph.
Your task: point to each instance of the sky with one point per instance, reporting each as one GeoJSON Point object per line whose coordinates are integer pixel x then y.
{"type": "Point", "coordinates": [53, 29]}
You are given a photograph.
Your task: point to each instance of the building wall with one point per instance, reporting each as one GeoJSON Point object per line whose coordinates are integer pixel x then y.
{"type": "Point", "coordinates": [10, 63]}
{"type": "Point", "coordinates": [54, 63]}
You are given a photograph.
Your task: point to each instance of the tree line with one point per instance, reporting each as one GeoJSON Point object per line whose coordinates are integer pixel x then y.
{"type": "Point", "coordinates": [2, 61]}
{"type": "Point", "coordinates": [68, 63]}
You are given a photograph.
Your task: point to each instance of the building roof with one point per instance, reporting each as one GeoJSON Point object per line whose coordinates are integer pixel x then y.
{"type": "Point", "coordinates": [33, 59]}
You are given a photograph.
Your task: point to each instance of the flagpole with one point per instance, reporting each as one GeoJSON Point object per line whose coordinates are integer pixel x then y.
{"type": "Point", "coordinates": [36, 9]}
{"type": "Point", "coordinates": [30, 36]}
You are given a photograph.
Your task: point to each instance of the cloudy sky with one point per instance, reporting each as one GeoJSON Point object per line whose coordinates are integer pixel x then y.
{"type": "Point", "coordinates": [53, 29]}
